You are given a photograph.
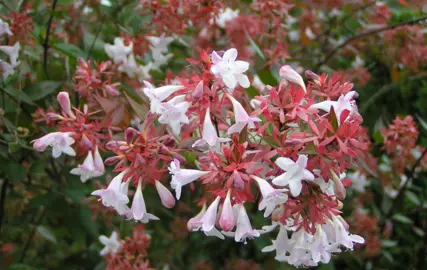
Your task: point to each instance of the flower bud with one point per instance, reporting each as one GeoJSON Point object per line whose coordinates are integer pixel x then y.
{"type": "Point", "coordinates": [165, 195]}
{"type": "Point", "coordinates": [290, 75]}
{"type": "Point", "coordinates": [198, 91]}
{"type": "Point", "coordinates": [64, 101]}
{"type": "Point", "coordinates": [227, 220]}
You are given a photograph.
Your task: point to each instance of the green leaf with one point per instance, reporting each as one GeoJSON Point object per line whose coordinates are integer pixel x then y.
{"type": "Point", "coordinates": [266, 77]}
{"type": "Point", "coordinates": [46, 233]}
{"type": "Point", "coordinates": [20, 266]}
{"type": "Point", "coordinates": [412, 197]}
{"type": "Point", "coordinates": [42, 89]}
{"type": "Point", "coordinates": [388, 243]}
{"type": "Point", "coordinates": [19, 95]}
{"type": "Point", "coordinates": [14, 172]}
{"type": "Point", "coordinates": [70, 50]}
{"type": "Point", "coordinates": [254, 45]}
{"type": "Point", "coordinates": [402, 218]}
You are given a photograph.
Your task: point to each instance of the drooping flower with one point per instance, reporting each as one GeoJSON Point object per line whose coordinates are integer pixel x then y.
{"type": "Point", "coordinates": [337, 233]}
{"type": "Point", "coordinates": [6, 69]}
{"type": "Point", "coordinates": [87, 170]}
{"type": "Point", "coordinates": [206, 220]}
{"type": "Point", "coordinates": [158, 95]}
{"type": "Point", "coordinates": [59, 141]}
{"type": "Point", "coordinates": [241, 117]}
{"type": "Point", "coordinates": [12, 52]}
{"type": "Point", "coordinates": [165, 195]}
{"type": "Point", "coordinates": [227, 219]}
{"type": "Point", "coordinates": [113, 196]}
{"type": "Point", "coordinates": [111, 244]}
{"type": "Point", "coordinates": [230, 70]}
{"type": "Point", "coordinates": [118, 52]}
{"type": "Point", "coordinates": [181, 177]}
{"type": "Point", "coordinates": [244, 228]}
{"type": "Point", "coordinates": [64, 101]}
{"type": "Point", "coordinates": [139, 211]}
{"type": "Point", "coordinates": [4, 28]}
{"type": "Point", "coordinates": [209, 135]}
{"type": "Point", "coordinates": [159, 44]}
{"type": "Point", "coordinates": [290, 75]}
{"type": "Point", "coordinates": [295, 173]}
{"type": "Point", "coordinates": [271, 197]}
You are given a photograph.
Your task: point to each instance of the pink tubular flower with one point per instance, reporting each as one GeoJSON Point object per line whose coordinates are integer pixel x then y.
{"type": "Point", "coordinates": [60, 142]}
{"type": "Point", "coordinates": [345, 102]}
{"type": "Point", "coordinates": [64, 101]}
{"type": "Point", "coordinates": [271, 197]}
{"type": "Point", "coordinates": [139, 211]}
{"type": "Point", "coordinates": [165, 195]}
{"type": "Point", "coordinates": [113, 195]}
{"type": "Point", "coordinates": [230, 70]}
{"type": "Point", "coordinates": [209, 135]}
{"type": "Point", "coordinates": [290, 75]}
{"type": "Point", "coordinates": [87, 170]}
{"type": "Point", "coordinates": [241, 116]}
{"type": "Point", "coordinates": [227, 219]}
{"type": "Point", "coordinates": [182, 177]}
{"type": "Point", "coordinates": [295, 173]}
{"type": "Point", "coordinates": [244, 228]}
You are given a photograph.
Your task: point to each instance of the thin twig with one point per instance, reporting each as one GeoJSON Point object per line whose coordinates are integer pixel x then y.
{"type": "Point", "coordinates": [30, 238]}
{"type": "Point", "coordinates": [376, 31]}
{"type": "Point", "coordinates": [3, 200]}
{"type": "Point", "coordinates": [46, 40]}
{"type": "Point", "coordinates": [96, 37]}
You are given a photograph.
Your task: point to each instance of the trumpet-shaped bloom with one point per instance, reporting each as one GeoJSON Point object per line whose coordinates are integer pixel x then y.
{"type": "Point", "coordinates": [181, 177]}
{"type": "Point", "coordinates": [206, 220]}
{"type": "Point", "coordinates": [244, 228]}
{"type": "Point", "coordinates": [290, 75]}
{"type": "Point", "coordinates": [118, 52]}
{"type": "Point", "coordinates": [230, 70]}
{"type": "Point", "coordinates": [139, 211]}
{"type": "Point", "coordinates": [295, 173]}
{"type": "Point", "coordinates": [6, 69]}
{"type": "Point", "coordinates": [87, 170]}
{"type": "Point", "coordinates": [113, 196]}
{"type": "Point", "coordinates": [344, 102]}
{"type": "Point", "coordinates": [158, 95]}
{"type": "Point", "coordinates": [159, 44]}
{"type": "Point", "coordinates": [209, 135]}
{"type": "Point", "coordinates": [241, 117]}
{"type": "Point", "coordinates": [111, 244]}
{"type": "Point", "coordinates": [337, 233]}
{"type": "Point", "coordinates": [225, 16]}
{"type": "Point", "coordinates": [59, 141]}
{"type": "Point", "coordinates": [4, 28]}
{"type": "Point", "coordinates": [227, 219]}
{"type": "Point", "coordinates": [271, 197]}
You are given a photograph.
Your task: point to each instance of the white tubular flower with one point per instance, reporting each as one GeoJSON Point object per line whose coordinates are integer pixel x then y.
{"type": "Point", "coordinates": [6, 69]}
{"type": "Point", "coordinates": [182, 177]}
{"type": "Point", "coordinates": [4, 28]}
{"type": "Point", "coordinates": [118, 52]}
{"type": "Point", "coordinates": [230, 70]}
{"type": "Point", "coordinates": [111, 244]}
{"type": "Point", "coordinates": [206, 220]}
{"type": "Point", "coordinates": [295, 173]}
{"type": "Point", "coordinates": [138, 209]}
{"type": "Point", "coordinates": [209, 135]}
{"type": "Point", "coordinates": [159, 44]}
{"type": "Point", "coordinates": [337, 233]}
{"type": "Point", "coordinates": [114, 195]}
{"type": "Point", "coordinates": [271, 197]}
{"type": "Point", "coordinates": [241, 117]}
{"type": "Point", "coordinates": [225, 16]}
{"type": "Point", "coordinates": [244, 228]}
{"type": "Point", "coordinates": [158, 95]}
{"type": "Point", "coordinates": [59, 141]}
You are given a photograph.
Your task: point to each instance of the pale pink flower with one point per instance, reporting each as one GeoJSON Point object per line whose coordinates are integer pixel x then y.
{"type": "Point", "coordinates": [12, 52]}
{"type": "Point", "coordinates": [118, 52]}
{"type": "Point", "coordinates": [227, 219]}
{"type": "Point", "coordinates": [206, 220]}
{"type": "Point", "coordinates": [209, 135]}
{"type": "Point", "coordinates": [290, 75]}
{"type": "Point", "coordinates": [344, 102]}
{"type": "Point", "coordinates": [139, 211]}
{"type": "Point", "coordinates": [244, 228]}
{"type": "Point", "coordinates": [87, 170]}
{"type": "Point", "coordinates": [111, 244]}
{"type": "Point", "coordinates": [64, 101]}
{"type": "Point", "coordinates": [174, 113]}
{"type": "Point", "coordinates": [241, 117]}
{"type": "Point", "coordinates": [165, 195]}
{"type": "Point", "coordinates": [59, 141]}
{"type": "Point", "coordinates": [158, 95]}
{"type": "Point", "coordinates": [113, 196]}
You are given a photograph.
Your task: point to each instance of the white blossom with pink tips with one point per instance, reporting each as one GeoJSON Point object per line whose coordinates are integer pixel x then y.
{"type": "Point", "coordinates": [206, 220]}
{"type": "Point", "coordinates": [295, 173]}
{"type": "Point", "coordinates": [113, 195]}
{"type": "Point", "coordinates": [90, 168]}
{"type": "Point", "coordinates": [138, 208]}
{"type": "Point", "coordinates": [59, 141]}
{"type": "Point", "coordinates": [344, 102]}
{"type": "Point", "coordinates": [290, 75]}
{"type": "Point", "coordinates": [271, 197]}
{"type": "Point", "coordinates": [230, 70]}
